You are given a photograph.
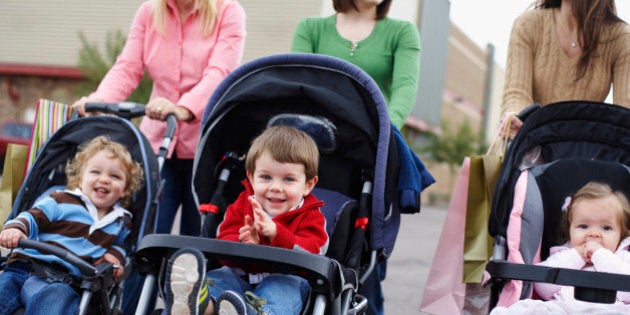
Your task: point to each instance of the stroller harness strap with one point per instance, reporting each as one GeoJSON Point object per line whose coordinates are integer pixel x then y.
{"type": "Point", "coordinates": [51, 273]}
{"type": "Point", "coordinates": [361, 223]}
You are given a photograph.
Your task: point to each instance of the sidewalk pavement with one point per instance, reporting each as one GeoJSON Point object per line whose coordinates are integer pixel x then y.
{"type": "Point", "coordinates": [409, 265]}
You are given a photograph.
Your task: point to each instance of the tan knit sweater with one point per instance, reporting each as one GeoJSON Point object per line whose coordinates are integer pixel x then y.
{"type": "Point", "coordinates": [538, 70]}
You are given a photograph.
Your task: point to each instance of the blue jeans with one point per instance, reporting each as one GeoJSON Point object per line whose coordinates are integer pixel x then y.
{"type": "Point", "coordinates": [177, 174]}
{"type": "Point", "coordinates": [372, 289]}
{"type": "Point", "coordinates": [20, 289]}
{"type": "Point", "coordinates": [285, 294]}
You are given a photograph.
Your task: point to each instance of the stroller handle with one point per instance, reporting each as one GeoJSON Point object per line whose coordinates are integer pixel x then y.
{"type": "Point", "coordinates": [129, 110]}
{"type": "Point", "coordinates": [527, 111]}
{"type": "Point", "coordinates": [126, 110]}
{"type": "Point", "coordinates": [44, 248]}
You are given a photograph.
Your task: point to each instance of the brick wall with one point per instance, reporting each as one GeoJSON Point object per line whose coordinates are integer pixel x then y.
{"type": "Point", "coordinates": [19, 94]}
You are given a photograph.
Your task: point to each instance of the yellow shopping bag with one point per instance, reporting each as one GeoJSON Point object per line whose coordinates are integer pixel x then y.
{"type": "Point", "coordinates": [483, 175]}
{"type": "Point", "coordinates": [12, 177]}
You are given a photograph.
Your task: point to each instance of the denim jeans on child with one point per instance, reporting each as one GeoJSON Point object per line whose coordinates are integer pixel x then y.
{"type": "Point", "coordinates": [285, 294]}
{"type": "Point", "coordinates": [20, 289]}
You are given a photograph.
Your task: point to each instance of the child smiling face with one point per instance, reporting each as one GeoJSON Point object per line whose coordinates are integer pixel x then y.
{"type": "Point", "coordinates": [279, 187]}
{"type": "Point", "coordinates": [103, 180]}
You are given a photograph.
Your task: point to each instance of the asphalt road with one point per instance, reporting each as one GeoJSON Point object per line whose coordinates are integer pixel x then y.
{"type": "Point", "coordinates": [409, 265]}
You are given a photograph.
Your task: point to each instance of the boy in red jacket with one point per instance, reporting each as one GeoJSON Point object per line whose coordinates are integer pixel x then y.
{"type": "Point", "coordinates": [275, 209]}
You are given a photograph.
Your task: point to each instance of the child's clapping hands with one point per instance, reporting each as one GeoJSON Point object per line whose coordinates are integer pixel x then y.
{"type": "Point", "coordinates": [260, 224]}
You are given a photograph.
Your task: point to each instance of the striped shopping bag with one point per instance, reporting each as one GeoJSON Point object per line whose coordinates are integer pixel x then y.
{"type": "Point", "coordinates": [49, 116]}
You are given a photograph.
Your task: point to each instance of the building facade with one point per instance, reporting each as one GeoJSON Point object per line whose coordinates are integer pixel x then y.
{"type": "Point", "coordinates": [40, 46]}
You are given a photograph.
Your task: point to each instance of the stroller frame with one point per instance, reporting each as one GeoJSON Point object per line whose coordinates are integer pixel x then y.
{"type": "Point", "coordinates": [97, 279]}
{"type": "Point", "coordinates": [550, 129]}
{"type": "Point", "coordinates": [333, 284]}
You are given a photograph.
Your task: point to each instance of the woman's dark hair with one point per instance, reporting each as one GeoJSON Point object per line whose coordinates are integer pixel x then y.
{"type": "Point", "coordinates": [592, 17]}
{"type": "Point", "coordinates": [344, 6]}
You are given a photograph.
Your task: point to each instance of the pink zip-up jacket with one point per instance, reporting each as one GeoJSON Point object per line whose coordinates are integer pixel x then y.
{"type": "Point", "coordinates": [185, 66]}
{"type": "Point", "coordinates": [603, 261]}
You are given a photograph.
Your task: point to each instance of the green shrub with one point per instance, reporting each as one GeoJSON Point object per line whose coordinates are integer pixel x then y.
{"type": "Point", "coordinates": [453, 145]}
{"type": "Point", "coordinates": [95, 65]}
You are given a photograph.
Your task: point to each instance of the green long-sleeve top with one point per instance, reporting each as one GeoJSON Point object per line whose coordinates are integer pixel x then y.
{"type": "Point", "coordinates": [390, 55]}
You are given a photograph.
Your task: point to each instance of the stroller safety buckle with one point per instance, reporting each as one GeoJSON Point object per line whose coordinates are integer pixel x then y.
{"type": "Point", "coordinates": [209, 208]}
{"type": "Point", "coordinates": [361, 223]}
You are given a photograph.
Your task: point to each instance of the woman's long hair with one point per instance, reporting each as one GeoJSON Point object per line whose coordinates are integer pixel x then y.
{"type": "Point", "coordinates": [344, 6]}
{"type": "Point", "coordinates": [593, 17]}
{"type": "Point", "coordinates": [207, 10]}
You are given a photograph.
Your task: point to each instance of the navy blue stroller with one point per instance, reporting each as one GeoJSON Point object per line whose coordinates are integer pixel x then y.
{"type": "Point", "coordinates": [100, 292]}
{"type": "Point", "coordinates": [367, 177]}
{"type": "Point", "coordinates": [559, 148]}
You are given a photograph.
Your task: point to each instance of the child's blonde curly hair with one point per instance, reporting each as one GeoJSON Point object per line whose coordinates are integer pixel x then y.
{"type": "Point", "coordinates": [87, 150]}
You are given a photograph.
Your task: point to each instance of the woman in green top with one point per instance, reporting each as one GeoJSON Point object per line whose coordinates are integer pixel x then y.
{"type": "Point", "coordinates": [388, 50]}
{"type": "Point", "coordinates": [361, 33]}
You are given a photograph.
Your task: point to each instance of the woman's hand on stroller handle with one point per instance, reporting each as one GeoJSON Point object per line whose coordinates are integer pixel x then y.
{"type": "Point", "coordinates": [80, 107]}
{"type": "Point", "coordinates": [159, 108]}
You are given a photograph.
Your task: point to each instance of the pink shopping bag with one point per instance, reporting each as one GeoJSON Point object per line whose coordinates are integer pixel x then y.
{"type": "Point", "coordinates": [445, 291]}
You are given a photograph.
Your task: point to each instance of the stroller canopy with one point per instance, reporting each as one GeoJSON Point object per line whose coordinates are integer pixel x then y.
{"type": "Point", "coordinates": [572, 129]}
{"type": "Point", "coordinates": [314, 85]}
{"type": "Point", "coordinates": [62, 145]}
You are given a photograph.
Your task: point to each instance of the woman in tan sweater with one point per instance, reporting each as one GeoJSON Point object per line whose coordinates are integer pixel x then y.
{"type": "Point", "coordinates": [566, 50]}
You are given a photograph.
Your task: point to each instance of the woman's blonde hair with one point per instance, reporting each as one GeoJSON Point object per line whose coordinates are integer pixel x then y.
{"type": "Point", "coordinates": [87, 150]}
{"type": "Point", "coordinates": [207, 10]}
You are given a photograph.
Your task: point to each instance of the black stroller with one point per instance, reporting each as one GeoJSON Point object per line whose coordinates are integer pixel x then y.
{"type": "Point", "coordinates": [100, 292]}
{"type": "Point", "coordinates": [367, 177]}
{"type": "Point", "coordinates": [559, 148]}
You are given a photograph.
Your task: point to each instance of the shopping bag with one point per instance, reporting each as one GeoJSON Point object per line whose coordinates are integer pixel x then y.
{"type": "Point", "coordinates": [483, 175]}
{"type": "Point", "coordinates": [49, 116]}
{"type": "Point", "coordinates": [12, 177]}
{"type": "Point", "coordinates": [484, 172]}
{"type": "Point", "coordinates": [444, 291]}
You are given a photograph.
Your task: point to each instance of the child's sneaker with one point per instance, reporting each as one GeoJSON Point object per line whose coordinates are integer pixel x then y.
{"type": "Point", "coordinates": [185, 275]}
{"type": "Point", "coordinates": [230, 303]}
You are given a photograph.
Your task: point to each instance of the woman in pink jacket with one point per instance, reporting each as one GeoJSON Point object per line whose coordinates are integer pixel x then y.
{"type": "Point", "coordinates": [187, 47]}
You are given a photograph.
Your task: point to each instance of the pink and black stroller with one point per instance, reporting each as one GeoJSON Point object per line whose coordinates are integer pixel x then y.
{"type": "Point", "coordinates": [368, 176]}
{"type": "Point", "coordinates": [560, 148]}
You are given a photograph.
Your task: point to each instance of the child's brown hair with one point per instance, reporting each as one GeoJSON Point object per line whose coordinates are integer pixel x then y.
{"type": "Point", "coordinates": [285, 145]}
{"type": "Point", "coordinates": [596, 190]}
{"type": "Point", "coordinates": [116, 150]}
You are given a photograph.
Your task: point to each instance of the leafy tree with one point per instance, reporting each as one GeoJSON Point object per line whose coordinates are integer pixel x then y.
{"type": "Point", "coordinates": [453, 145]}
{"type": "Point", "coordinates": [95, 65]}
